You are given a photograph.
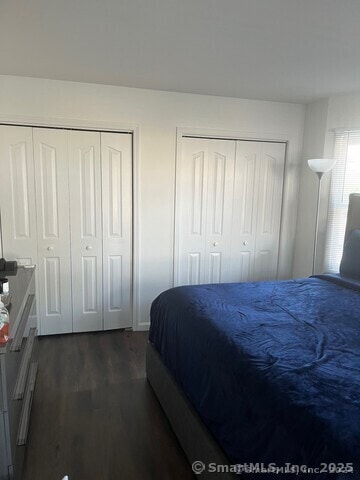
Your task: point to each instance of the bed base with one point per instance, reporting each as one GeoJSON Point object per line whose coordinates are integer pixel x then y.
{"type": "Point", "coordinates": [194, 437]}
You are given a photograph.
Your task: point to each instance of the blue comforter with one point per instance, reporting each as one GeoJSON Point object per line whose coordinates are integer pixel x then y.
{"type": "Point", "coordinates": [272, 368]}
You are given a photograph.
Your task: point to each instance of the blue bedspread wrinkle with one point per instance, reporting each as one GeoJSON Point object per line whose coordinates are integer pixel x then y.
{"type": "Point", "coordinates": [272, 368]}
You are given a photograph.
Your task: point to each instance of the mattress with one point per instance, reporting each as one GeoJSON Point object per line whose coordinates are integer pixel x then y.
{"type": "Point", "coordinates": [272, 368]}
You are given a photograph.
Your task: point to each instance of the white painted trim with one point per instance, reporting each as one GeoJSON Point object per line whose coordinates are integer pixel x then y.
{"type": "Point", "coordinates": [288, 222]}
{"type": "Point", "coordinates": [67, 123]}
{"type": "Point", "coordinates": [142, 327]}
{"type": "Point", "coordinates": [136, 272]}
{"type": "Point", "coordinates": [230, 134]}
{"type": "Point", "coordinates": [134, 129]}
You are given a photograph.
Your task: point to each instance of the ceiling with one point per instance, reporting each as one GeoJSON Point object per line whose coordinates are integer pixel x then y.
{"type": "Point", "coordinates": [282, 50]}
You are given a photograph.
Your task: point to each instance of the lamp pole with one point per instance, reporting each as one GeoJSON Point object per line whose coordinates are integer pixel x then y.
{"type": "Point", "coordinates": [319, 175]}
{"type": "Point", "coordinates": [319, 166]}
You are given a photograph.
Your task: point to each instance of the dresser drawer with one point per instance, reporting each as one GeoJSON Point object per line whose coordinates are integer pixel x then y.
{"type": "Point", "coordinates": [27, 356]}
{"type": "Point", "coordinates": [17, 341]}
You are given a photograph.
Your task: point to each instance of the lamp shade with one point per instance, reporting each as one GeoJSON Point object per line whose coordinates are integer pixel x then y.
{"type": "Point", "coordinates": [321, 165]}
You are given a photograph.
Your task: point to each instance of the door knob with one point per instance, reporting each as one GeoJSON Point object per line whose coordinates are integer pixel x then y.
{"type": "Point", "coordinates": [88, 247]}
{"type": "Point", "coordinates": [245, 243]}
{"type": "Point", "coordinates": [50, 248]}
{"type": "Point", "coordinates": [216, 244]}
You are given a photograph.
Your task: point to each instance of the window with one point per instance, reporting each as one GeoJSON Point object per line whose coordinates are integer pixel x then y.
{"type": "Point", "coordinates": [345, 179]}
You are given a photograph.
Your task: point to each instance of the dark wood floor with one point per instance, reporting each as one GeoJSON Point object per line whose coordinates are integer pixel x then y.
{"type": "Point", "coordinates": [94, 415]}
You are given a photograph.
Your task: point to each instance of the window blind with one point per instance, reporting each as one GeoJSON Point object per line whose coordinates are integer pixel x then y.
{"type": "Point", "coordinates": [345, 179]}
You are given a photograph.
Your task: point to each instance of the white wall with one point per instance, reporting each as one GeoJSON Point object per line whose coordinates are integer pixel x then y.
{"type": "Point", "coordinates": [157, 116]}
{"type": "Point", "coordinates": [322, 118]}
{"type": "Point", "coordinates": [344, 112]}
{"type": "Point", "coordinates": [313, 147]}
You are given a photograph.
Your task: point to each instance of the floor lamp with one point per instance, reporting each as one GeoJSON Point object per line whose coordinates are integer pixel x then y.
{"type": "Point", "coordinates": [320, 166]}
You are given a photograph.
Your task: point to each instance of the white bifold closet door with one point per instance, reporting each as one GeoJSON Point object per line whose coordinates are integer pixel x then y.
{"type": "Point", "coordinates": [101, 229]}
{"type": "Point", "coordinates": [116, 155]}
{"type": "Point", "coordinates": [67, 207]}
{"type": "Point", "coordinates": [17, 195]}
{"type": "Point", "coordinates": [257, 205]}
{"type": "Point", "coordinates": [228, 210]}
{"type": "Point", "coordinates": [204, 211]}
{"type": "Point", "coordinates": [53, 230]}
{"type": "Point", "coordinates": [86, 229]}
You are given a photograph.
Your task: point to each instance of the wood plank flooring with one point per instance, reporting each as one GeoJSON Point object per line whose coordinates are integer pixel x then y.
{"type": "Point", "coordinates": [95, 417]}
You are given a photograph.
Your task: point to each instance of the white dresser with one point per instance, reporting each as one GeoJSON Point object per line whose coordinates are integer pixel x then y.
{"type": "Point", "coordinates": [18, 368]}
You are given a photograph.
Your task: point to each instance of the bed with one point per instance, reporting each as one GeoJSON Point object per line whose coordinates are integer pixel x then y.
{"type": "Point", "coordinates": [264, 374]}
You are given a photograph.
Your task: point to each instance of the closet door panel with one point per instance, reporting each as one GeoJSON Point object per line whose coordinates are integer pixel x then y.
{"type": "Point", "coordinates": [53, 239]}
{"type": "Point", "coordinates": [86, 229]}
{"type": "Point", "coordinates": [246, 183]}
{"type": "Point", "coordinates": [219, 210]}
{"type": "Point", "coordinates": [17, 195]}
{"type": "Point", "coordinates": [192, 182]}
{"type": "Point", "coordinates": [116, 159]}
{"type": "Point", "coordinates": [204, 211]}
{"type": "Point", "coordinates": [244, 268]}
{"type": "Point", "coordinates": [52, 285]}
{"type": "Point", "coordinates": [271, 178]}
{"type": "Point", "coordinates": [193, 269]}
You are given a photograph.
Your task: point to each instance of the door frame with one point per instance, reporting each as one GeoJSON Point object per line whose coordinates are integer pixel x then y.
{"type": "Point", "coordinates": [100, 126]}
{"type": "Point", "coordinates": [290, 187]}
